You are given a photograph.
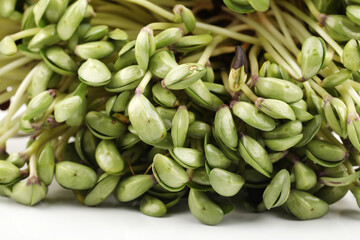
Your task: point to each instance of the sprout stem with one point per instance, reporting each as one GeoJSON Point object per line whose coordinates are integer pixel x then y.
{"type": "Point", "coordinates": [209, 49]}
{"type": "Point", "coordinates": [17, 101]}
{"type": "Point", "coordinates": [9, 133]}
{"type": "Point", "coordinates": [284, 29]}
{"type": "Point", "coordinates": [278, 58]}
{"type": "Point", "coordinates": [253, 55]}
{"type": "Point", "coordinates": [228, 33]}
{"type": "Point", "coordinates": [347, 99]}
{"type": "Point", "coordinates": [33, 166]}
{"type": "Point", "coordinates": [350, 90]}
{"type": "Point", "coordinates": [24, 33]}
{"type": "Point", "coordinates": [14, 64]}
{"type": "Point", "coordinates": [154, 8]}
{"type": "Point", "coordinates": [43, 138]}
{"type": "Point", "coordinates": [245, 89]}
{"type": "Point", "coordinates": [144, 82]}
{"type": "Point", "coordinates": [321, 91]}
{"type": "Point", "coordinates": [313, 25]}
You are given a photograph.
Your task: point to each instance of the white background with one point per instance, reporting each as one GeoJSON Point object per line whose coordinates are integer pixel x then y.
{"type": "Point", "coordinates": [61, 217]}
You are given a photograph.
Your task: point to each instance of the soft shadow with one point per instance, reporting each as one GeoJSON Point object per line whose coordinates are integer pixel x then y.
{"type": "Point", "coordinates": [351, 214]}
{"type": "Point", "coordinates": [181, 207]}
{"type": "Point", "coordinates": [283, 214]}
{"type": "Point", "coordinates": [235, 218]}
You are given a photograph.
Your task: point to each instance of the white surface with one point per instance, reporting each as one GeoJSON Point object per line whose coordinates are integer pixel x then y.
{"type": "Point", "coordinates": [61, 217]}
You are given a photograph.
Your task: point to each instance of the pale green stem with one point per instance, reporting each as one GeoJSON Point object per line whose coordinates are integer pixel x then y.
{"type": "Point", "coordinates": [46, 136]}
{"type": "Point", "coordinates": [9, 133]}
{"type": "Point", "coordinates": [224, 78]}
{"type": "Point", "coordinates": [254, 64]}
{"type": "Point", "coordinates": [218, 51]}
{"type": "Point", "coordinates": [191, 58]}
{"type": "Point", "coordinates": [316, 79]}
{"type": "Point", "coordinates": [313, 25]}
{"type": "Point", "coordinates": [336, 58]}
{"type": "Point", "coordinates": [209, 49]}
{"type": "Point", "coordinates": [154, 8]}
{"type": "Point", "coordinates": [333, 67]}
{"type": "Point", "coordinates": [276, 44]}
{"type": "Point", "coordinates": [223, 50]}
{"type": "Point", "coordinates": [274, 31]}
{"type": "Point", "coordinates": [355, 85]}
{"type": "Point", "coordinates": [350, 90]}
{"type": "Point", "coordinates": [165, 25]}
{"type": "Point", "coordinates": [33, 166]}
{"type": "Point", "coordinates": [239, 27]}
{"type": "Point", "coordinates": [350, 170]}
{"type": "Point", "coordinates": [14, 64]}
{"type": "Point", "coordinates": [24, 33]}
{"type": "Point", "coordinates": [171, 17]}
{"type": "Point", "coordinates": [349, 167]}
{"type": "Point", "coordinates": [65, 83]}
{"type": "Point", "coordinates": [247, 91]}
{"type": "Point", "coordinates": [23, 100]}
{"type": "Point", "coordinates": [284, 29]}
{"type": "Point", "coordinates": [16, 102]}
{"type": "Point", "coordinates": [313, 9]}
{"type": "Point", "coordinates": [321, 91]}
{"type": "Point", "coordinates": [296, 26]}
{"type": "Point", "coordinates": [267, 46]}
{"type": "Point", "coordinates": [308, 89]}
{"type": "Point", "coordinates": [347, 99]}
{"type": "Point", "coordinates": [144, 82]}
{"type": "Point", "coordinates": [228, 33]}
